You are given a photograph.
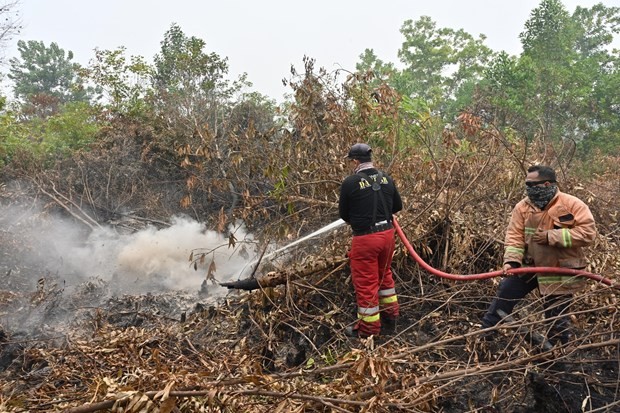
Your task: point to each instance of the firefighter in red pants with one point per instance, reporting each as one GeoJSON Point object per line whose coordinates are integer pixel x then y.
{"type": "Point", "coordinates": [368, 198]}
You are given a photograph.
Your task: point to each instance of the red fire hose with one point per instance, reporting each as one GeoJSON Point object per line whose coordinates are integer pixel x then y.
{"type": "Point", "coordinates": [514, 271]}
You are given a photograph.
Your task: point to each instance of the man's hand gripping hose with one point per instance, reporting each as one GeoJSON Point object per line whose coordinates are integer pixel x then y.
{"type": "Point", "coordinates": [513, 271]}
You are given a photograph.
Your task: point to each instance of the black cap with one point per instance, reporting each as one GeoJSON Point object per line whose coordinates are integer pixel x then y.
{"type": "Point", "coordinates": [359, 150]}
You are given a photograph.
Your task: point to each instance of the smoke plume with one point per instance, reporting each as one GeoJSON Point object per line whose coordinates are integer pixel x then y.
{"type": "Point", "coordinates": [146, 261]}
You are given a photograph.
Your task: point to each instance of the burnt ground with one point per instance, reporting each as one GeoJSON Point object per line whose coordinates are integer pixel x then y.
{"type": "Point", "coordinates": [69, 346]}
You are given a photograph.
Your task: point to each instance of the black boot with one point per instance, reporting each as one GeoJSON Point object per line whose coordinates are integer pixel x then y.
{"type": "Point", "coordinates": [560, 328]}
{"type": "Point", "coordinates": [388, 325]}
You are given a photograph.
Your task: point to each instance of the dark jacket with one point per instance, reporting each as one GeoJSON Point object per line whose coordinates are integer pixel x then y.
{"type": "Point", "coordinates": [357, 200]}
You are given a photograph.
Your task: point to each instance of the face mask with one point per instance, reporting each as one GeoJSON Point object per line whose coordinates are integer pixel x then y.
{"type": "Point", "coordinates": [541, 195]}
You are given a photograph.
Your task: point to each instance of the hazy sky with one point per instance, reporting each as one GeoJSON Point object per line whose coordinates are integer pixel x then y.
{"type": "Point", "coordinates": [264, 37]}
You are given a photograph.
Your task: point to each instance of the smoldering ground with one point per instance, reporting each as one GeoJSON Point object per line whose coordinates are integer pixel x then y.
{"type": "Point", "coordinates": [52, 266]}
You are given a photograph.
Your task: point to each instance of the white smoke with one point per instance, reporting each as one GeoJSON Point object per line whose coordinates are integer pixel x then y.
{"type": "Point", "coordinates": [148, 260]}
{"type": "Point", "coordinates": [164, 254]}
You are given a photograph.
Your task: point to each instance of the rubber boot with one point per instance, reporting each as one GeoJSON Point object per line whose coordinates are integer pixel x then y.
{"type": "Point", "coordinates": [388, 325]}
{"type": "Point", "coordinates": [560, 328]}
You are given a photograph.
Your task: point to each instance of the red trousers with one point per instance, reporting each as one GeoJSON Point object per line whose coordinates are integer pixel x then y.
{"type": "Point", "coordinates": [370, 259]}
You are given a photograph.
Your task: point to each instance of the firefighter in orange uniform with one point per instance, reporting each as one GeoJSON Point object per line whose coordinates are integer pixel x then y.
{"type": "Point", "coordinates": [548, 228]}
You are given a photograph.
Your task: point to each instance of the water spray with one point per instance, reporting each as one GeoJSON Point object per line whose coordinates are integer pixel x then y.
{"type": "Point", "coordinates": [314, 234]}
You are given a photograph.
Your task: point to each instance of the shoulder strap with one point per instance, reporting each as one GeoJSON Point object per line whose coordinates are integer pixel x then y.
{"type": "Point", "coordinates": [376, 187]}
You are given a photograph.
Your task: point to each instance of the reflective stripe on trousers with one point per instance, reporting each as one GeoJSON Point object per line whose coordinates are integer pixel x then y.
{"type": "Point", "coordinates": [368, 315]}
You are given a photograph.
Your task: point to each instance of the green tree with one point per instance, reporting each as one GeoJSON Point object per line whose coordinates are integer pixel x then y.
{"type": "Point", "coordinates": [13, 137]}
{"type": "Point", "coordinates": [45, 78]}
{"type": "Point", "coordinates": [73, 128]}
{"type": "Point", "coordinates": [192, 91]}
{"type": "Point", "coordinates": [563, 88]}
{"type": "Point", "coordinates": [370, 63]}
{"type": "Point", "coordinates": [38, 141]}
{"type": "Point", "coordinates": [596, 29]}
{"type": "Point", "coordinates": [203, 118]}
{"type": "Point", "coordinates": [440, 62]}
{"type": "Point", "coordinates": [548, 42]}
{"type": "Point", "coordinates": [125, 83]}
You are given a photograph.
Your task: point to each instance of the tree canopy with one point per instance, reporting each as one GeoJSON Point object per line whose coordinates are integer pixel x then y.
{"type": "Point", "coordinates": [45, 78]}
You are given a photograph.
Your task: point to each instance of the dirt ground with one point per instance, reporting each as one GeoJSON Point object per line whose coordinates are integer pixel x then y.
{"type": "Point", "coordinates": [67, 347]}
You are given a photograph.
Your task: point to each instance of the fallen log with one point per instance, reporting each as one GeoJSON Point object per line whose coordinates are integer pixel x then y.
{"type": "Point", "coordinates": [306, 269]}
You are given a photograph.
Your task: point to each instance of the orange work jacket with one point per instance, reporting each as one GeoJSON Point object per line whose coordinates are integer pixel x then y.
{"type": "Point", "coordinates": [570, 226]}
